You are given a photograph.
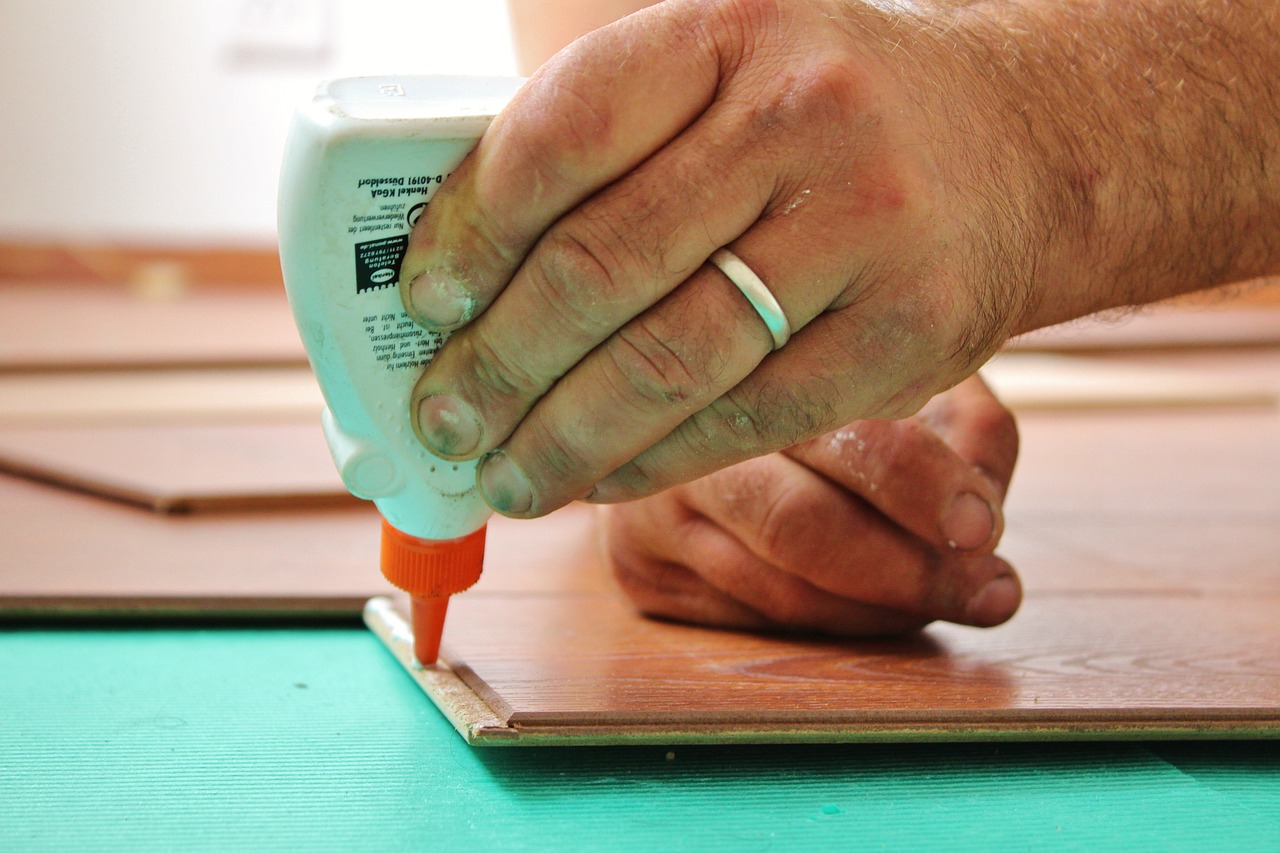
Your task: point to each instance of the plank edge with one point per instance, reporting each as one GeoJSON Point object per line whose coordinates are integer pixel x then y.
{"type": "Point", "coordinates": [466, 711]}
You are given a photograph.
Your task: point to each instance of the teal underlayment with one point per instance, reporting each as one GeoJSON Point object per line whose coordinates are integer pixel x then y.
{"type": "Point", "coordinates": [315, 739]}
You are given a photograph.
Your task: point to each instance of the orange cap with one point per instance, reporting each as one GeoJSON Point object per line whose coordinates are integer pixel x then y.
{"type": "Point", "coordinates": [430, 570]}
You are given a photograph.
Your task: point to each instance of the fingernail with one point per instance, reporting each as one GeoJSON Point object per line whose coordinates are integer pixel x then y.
{"type": "Point", "coordinates": [439, 300]}
{"type": "Point", "coordinates": [995, 602]}
{"type": "Point", "coordinates": [504, 486]}
{"type": "Point", "coordinates": [449, 426]}
{"type": "Point", "coordinates": [968, 523]}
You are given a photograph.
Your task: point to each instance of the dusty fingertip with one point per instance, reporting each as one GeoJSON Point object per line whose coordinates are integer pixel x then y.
{"type": "Point", "coordinates": [448, 426]}
{"type": "Point", "coordinates": [503, 484]}
{"type": "Point", "coordinates": [438, 300]}
{"type": "Point", "coordinates": [995, 603]}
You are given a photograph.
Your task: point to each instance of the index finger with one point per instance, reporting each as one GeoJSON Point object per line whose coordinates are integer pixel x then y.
{"type": "Point", "coordinates": [941, 475]}
{"type": "Point", "coordinates": [590, 115]}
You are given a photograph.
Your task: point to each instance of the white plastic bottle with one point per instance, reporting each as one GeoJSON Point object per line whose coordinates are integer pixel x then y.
{"type": "Point", "coordinates": [362, 161]}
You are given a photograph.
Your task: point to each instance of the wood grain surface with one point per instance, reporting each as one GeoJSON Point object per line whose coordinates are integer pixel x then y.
{"type": "Point", "coordinates": [69, 326]}
{"type": "Point", "coordinates": [65, 554]}
{"type": "Point", "coordinates": [1091, 657]}
{"type": "Point", "coordinates": [1149, 546]}
{"type": "Point", "coordinates": [182, 467]}
{"type": "Point", "coordinates": [159, 396]}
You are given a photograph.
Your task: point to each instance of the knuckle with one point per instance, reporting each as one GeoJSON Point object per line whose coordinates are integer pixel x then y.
{"type": "Point", "coordinates": [612, 252]}
{"type": "Point", "coordinates": [573, 277]}
{"type": "Point", "coordinates": [652, 369]}
{"type": "Point", "coordinates": [634, 221]}
{"type": "Point", "coordinates": [822, 95]}
{"type": "Point", "coordinates": [632, 571]}
{"type": "Point", "coordinates": [748, 20]}
{"type": "Point", "coordinates": [560, 458]}
{"type": "Point", "coordinates": [743, 488]}
{"type": "Point", "coordinates": [634, 480]}
{"type": "Point", "coordinates": [640, 579]}
{"type": "Point", "coordinates": [494, 371]}
{"type": "Point", "coordinates": [481, 234]}
{"type": "Point", "coordinates": [575, 267]}
{"type": "Point", "coordinates": [785, 515]}
{"type": "Point", "coordinates": [725, 425]}
{"type": "Point", "coordinates": [987, 421]}
{"type": "Point", "coordinates": [654, 585]}
{"type": "Point", "coordinates": [755, 419]}
{"type": "Point", "coordinates": [799, 533]}
{"type": "Point", "coordinates": [569, 123]}
{"type": "Point", "coordinates": [487, 233]}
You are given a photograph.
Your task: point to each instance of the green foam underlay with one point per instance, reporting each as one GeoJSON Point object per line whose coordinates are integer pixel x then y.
{"type": "Point", "coordinates": [315, 739]}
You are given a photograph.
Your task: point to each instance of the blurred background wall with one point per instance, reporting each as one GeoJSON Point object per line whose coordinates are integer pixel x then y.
{"type": "Point", "coordinates": [162, 122]}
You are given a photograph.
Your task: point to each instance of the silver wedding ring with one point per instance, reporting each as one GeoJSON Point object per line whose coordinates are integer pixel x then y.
{"type": "Point", "coordinates": [757, 294]}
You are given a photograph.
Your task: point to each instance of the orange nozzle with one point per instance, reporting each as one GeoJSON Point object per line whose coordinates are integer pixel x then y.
{"type": "Point", "coordinates": [430, 570]}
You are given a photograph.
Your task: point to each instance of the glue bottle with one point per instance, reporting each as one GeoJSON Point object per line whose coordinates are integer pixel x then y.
{"type": "Point", "coordinates": [362, 161]}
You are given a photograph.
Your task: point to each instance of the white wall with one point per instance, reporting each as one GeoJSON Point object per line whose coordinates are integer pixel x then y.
{"type": "Point", "coordinates": [138, 121]}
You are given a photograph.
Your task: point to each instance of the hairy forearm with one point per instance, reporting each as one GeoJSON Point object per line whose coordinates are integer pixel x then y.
{"type": "Point", "coordinates": [1112, 152]}
{"type": "Point", "coordinates": [1150, 134]}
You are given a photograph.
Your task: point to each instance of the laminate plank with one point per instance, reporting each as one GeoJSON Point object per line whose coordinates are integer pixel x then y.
{"type": "Point", "coordinates": [1063, 654]}
{"type": "Point", "coordinates": [1033, 381]}
{"type": "Point", "coordinates": [65, 554]}
{"type": "Point", "coordinates": [571, 669]}
{"type": "Point", "coordinates": [62, 326]}
{"type": "Point", "coordinates": [1069, 557]}
{"type": "Point", "coordinates": [159, 396]}
{"type": "Point", "coordinates": [1147, 543]}
{"type": "Point", "coordinates": [1238, 556]}
{"type": "Point", "coordinates": [141, 266]}
{"type": "Point", "coordinates": [70, 554]}
{"type": "Point", "coordinates": [182, 467]}
{"type": "Point", "coordinates": [1163, 327]}
{"type": "Point", "coordinates": [1221, 463]}
{"type": "Point", "coordinates": [1108, 645]}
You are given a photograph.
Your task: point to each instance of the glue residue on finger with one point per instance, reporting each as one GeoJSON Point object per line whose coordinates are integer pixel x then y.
{"type": "Point", "coordinates": [800, 199]}
{"type": "Point", "coordinates": [842, 439]}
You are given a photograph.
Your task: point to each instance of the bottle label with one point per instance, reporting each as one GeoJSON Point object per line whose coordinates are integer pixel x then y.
{"type": "Point", "coordinates": [378, 262]}
{"type": "Point", "coordinates": [390, 206]}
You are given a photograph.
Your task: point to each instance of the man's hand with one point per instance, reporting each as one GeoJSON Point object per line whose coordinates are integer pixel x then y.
{"type": "Point", "coordinates": [913, 182]}
{"type": "Point", "coordinates": [876, 528]}
{"type": "Point", "coordinates": [608, 357]}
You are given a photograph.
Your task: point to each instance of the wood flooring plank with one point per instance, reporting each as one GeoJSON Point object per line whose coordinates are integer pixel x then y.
{"type": "Point", "coordinates": [1239, 555]}
{"type": "Point", "coordinates": [1148, 544]}
{"type": "Point", "coordinates": [65, 554]}
{"type": "Point", "coordinates": [1033, 381]}
{"type": "Point", "coordinates": [1064, 653]}
{"type": "Point", "coordinates": [589, 670]}
{"type": "Point", "coordinates": [1115, 650]}
{"type": "Point", "coordinates": [254, 395]}
{"type": "Point", "coordinates": [182, 467]}
{"type": "Point", "coordinates": [1193, 465]}
{"type": "Point", "coordinates": [1162, 328]}
{"type": "Point", "coordinates": [65, 326]}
